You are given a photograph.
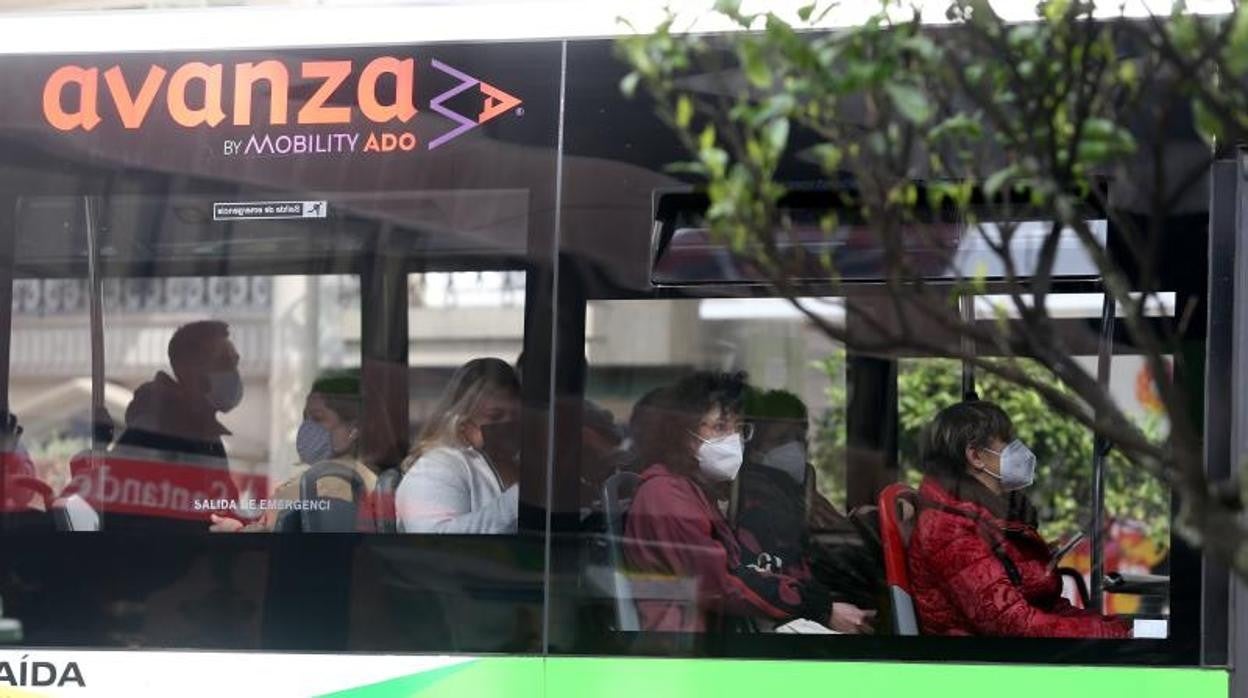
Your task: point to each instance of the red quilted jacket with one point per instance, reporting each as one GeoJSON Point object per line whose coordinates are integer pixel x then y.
{"type": "Point", "coordinates": [962, 583]}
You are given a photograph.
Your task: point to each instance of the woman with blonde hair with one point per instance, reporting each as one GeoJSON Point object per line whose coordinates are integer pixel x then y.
{"type": "Point", "coordinates": [461, 476]}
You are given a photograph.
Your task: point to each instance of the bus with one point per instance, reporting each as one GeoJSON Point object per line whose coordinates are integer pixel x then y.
{"type": "Point", "coordinates": [219, 226]}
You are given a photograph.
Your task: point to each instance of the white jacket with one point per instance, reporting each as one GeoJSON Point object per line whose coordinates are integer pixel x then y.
{"type": "Point", "coordinates": [454, 490]}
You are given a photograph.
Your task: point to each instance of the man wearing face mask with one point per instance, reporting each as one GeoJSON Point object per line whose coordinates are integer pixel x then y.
{"type": "Point", "coordinates": [974, 569]}
{"type": "Point", "coordinates": [779, 507]}
{"type": "Point", "coordinates": [175, 417]}
{"type": "Point", "coordinates": [691, 440]}
{"type": "Point", "coordinates": [771, 491]}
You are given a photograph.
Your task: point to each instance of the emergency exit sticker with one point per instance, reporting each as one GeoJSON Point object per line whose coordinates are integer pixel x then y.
{"type": "Point", "coordinates": [267, 210]}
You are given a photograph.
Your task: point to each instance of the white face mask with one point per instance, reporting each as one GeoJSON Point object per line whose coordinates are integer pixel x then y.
{"type": "Point", "coordinates": [225, 390]}
{"type": "Point", "coordinates": [789, 458]}
{"type": "Point", "coordinates": [720, 458]}
{"type": "Point", "coordinates": [1018, 466]}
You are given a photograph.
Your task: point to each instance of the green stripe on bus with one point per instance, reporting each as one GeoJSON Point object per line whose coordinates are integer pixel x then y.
{"type": "Point", "coordinates": [592, 677]}
{"type": "Point", "coordinates": [512, 677]}
{"type": "Point", "coordinates": [681, 678]}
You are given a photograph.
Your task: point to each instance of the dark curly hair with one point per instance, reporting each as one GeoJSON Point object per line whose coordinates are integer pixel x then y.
{"type": "Point", "coordinates": [664, 420]}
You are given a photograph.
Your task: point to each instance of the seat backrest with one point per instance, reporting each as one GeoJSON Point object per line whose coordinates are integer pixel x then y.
{"type": "Point", "coordinates": [339, 515]}
{"type": "Point", "coordinates": [617, 495]}
{"type": "Point", "coordinates": [897, 514]}
{"type": "Point", "coordinates": [73, 513]}
{"type": "Point", "coordinates": [386, 518]}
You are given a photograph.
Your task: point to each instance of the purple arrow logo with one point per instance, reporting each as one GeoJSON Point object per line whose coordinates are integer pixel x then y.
{"type": "Point", "coordinates": [466, 82]}
{"type": "Point", "coordinates": [497, 103]}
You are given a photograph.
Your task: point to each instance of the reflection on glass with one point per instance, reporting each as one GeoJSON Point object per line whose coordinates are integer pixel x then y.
{"type": "Point", "coordinates": [205, 381]}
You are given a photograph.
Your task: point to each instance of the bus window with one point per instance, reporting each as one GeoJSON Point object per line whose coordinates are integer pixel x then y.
{"type": "Point", "coordinates": [746, 445]}
{"type": "Point", "coordinates": [662, 372]}
{"type": "Point", "coordinates": [1136, 524]}
{"type": "Point", "coordinates": [462, 474]}
{"type": "Point", "coordinates": [164, 335]}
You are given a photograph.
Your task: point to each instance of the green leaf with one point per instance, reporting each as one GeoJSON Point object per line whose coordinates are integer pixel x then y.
{"type": "Point", "coordinates": [628, 85]}
{"type": "Point", "coordinates": [716, 160]}
{"type": "Point", "coordinates": [1207, 125]}
{"type": "Point", "coordinates": [778, 134]}
{"type": "Point", "coordinates": [755, 66]}
{"type": "Point", "coordinates": [997, 179]}
{"type": "Point", "coordinates": [957, 126]}
{"type": "Point", "coordinates": [778, 105]}
{"type": "Point", "coordinates": [1099, 128]}
{"type": "Point", "coordinates": [732, 10]}
{"type": "Point", "coordinates": [910, 101]}
{"type": "Point", "coordinates": [706, 139]}
{"type": "Point", "coordinates": [1184, 33]}
{"type": "Point", "coordinates": [1237, 45]}
{"type": "Point", "coordinates": [923, 46]}
{"type": "Point", "coordinates": [829, 156]}
{"type": "Point", "coordinates": [1055, 10]}
{"type": "Point", "coordinates": [1128, 73]}
{"type": "Point", "coordinates": [804, 12]}
{"type": "Point", "coordinates": [684, 111]}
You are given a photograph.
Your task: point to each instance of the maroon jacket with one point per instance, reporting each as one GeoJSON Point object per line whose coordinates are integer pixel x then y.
{"type": "Point", "coordinates": [673, 529]}
{"type": "Point", "coordinates": [975, 573]}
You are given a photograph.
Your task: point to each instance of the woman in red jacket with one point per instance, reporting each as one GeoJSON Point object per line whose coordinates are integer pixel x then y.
{"type": "Point", "coordinates": [692, 439]}
{"type": "Point", "coordinates": [973, 570]}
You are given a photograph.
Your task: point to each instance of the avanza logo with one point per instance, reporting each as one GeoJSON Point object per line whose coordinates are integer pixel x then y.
{"type": "Point", "coordinates": [194, 98]}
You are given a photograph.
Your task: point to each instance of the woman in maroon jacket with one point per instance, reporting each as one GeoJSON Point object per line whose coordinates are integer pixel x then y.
{"type": "Point", "coordinates": [973, 570]}
{"type": "Point", "coordinates": [692, 439]}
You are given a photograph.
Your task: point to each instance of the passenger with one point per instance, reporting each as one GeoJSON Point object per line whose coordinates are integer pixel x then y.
{"type": "Point", "coordinates": [462, 474]}
{"type": "Point", "coordinates": [176, 416]}
{"type": "Point", "coordinates": [330, 433]}
{"type": "Point", "coordinates": [692, 439]}
{"type": "Point", "coordinates": [604, 443]}
{"type": "Point", "coordinates": [771, 500]}
{"type": "Point", "coordinates": [974, 571]}
{"type": "Point", "coordinates": [779, 507]}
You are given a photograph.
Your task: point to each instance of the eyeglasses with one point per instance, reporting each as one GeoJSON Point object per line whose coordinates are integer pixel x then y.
{"type": "Point", "coordinates": [745, 430]}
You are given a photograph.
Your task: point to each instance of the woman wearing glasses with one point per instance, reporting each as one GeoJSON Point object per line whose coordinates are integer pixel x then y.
{"type": "Point", "coordinates": [692, 439]}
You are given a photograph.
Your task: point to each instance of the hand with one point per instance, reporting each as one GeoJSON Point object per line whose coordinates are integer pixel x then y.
{"type": "Point", "coordinates": [224, 524]}
{"type": "Point", "coordinates": [848, 618]}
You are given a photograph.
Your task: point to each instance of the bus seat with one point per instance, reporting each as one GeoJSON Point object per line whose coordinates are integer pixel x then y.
{"type": "Point", "coordinates": [341, 516]}
{"type": "Point", "coordinates": [897, 514]}
{"type": "Point", "coordinates": [617, 493]}
{"type": "Point", "coordinates": [73, 513]}
{"type": "Point", "coordinates": [387, 518]}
